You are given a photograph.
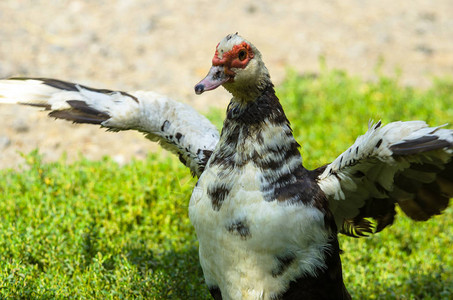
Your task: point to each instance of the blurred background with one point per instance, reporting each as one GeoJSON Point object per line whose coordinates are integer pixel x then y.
{"type": "Point", "coordinates": [167, 47]}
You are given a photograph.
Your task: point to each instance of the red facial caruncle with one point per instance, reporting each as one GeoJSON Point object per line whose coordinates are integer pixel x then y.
{"type": "Point", "coordinates": [238, 57]}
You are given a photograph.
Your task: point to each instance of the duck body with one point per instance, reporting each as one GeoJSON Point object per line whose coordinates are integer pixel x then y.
{"type": "Point", "coordinates": [261, 219]}
{"type": "Point", "coordinates": [267, 227]}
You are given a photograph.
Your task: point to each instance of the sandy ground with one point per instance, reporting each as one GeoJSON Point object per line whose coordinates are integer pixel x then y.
{"type": "Point", "coordinates": [167, 46]}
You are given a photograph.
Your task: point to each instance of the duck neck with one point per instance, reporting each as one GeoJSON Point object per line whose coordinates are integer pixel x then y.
{"type": "Point", "coordinates": [265, 108]}
{"type": "Point", "coordinates": [258, 132]}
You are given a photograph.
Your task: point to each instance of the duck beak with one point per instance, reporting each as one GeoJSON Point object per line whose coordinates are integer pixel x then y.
{"type": "Point", "coordinates": [215, 78]}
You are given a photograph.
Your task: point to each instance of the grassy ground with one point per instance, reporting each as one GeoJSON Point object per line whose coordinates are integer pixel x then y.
{"type": "Point", "coordinates": [94, 230]}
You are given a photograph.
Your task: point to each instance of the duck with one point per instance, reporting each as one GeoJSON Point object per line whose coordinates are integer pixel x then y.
{"type": "Point", "coordinates": [267, 227]}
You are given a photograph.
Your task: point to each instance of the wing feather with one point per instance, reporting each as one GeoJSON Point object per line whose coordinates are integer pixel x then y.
{"type": "Point", "coordinates": [407, 163]}
{"type": "Point", "coordinates": [176, 126]}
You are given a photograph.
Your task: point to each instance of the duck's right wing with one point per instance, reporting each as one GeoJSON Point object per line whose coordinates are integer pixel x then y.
{"type": "Point", "coordinates": [176, 126]}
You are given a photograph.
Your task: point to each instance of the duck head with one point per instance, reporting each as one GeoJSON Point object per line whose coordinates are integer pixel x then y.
{"type": "Point", "coordinates": [238, 67]}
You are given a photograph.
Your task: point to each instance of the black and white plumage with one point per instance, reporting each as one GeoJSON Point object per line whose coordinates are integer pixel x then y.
{"type": "Point", "coordinates": [407, 163]}
{"type": "Point", "coordinates": [175, 125]}
{"type": "Point", "coordinates": [267, 227]}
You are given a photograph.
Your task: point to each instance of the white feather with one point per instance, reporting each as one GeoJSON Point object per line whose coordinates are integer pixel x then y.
{"type": "Point", "coordinates": [371, 154]}
{"type": "Point", "coordinates": [186, 132]}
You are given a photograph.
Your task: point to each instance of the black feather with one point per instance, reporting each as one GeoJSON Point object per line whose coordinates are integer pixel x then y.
{"type": "Point", "coordinates": [77, 116]}
{"type": "Point", "coordinates": [44, 105]}
{"type": "Point", "coordinates": [82, 107]}
{"type": "Point", "coordinates": [422, 144]}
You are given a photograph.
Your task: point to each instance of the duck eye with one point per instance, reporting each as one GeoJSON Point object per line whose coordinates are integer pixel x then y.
{"type": "Point", "coordinates": [242, 55]}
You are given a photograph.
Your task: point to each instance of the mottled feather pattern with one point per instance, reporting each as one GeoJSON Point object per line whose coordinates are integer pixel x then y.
{"type": "Point", "coordinates": [176, 126]}
{"type": "Point", "coordinates": [254, 180]}
{"type": "Point", "coordinates": [397, 163]}
{"type": "Point", "coordinates": [241, 228]}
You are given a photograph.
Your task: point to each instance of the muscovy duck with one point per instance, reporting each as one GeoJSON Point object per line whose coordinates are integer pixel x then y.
{"type": "Point", "coordinates": [267, 227]}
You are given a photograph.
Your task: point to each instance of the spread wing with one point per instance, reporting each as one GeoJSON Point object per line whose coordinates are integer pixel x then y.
{"type": "Point", "coordinates": [407, 163]}
{"type": "Point", "coordinates": [176, 126]}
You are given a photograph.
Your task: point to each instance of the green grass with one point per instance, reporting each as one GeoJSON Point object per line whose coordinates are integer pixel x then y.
{"type": "Point", "coordinates": [96, 230]}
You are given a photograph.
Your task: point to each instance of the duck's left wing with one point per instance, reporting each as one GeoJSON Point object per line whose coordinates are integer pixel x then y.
{"type": "Point", "coordinates": [176, 126]}
{"type": "Point", "coordinates": [407, 163]}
